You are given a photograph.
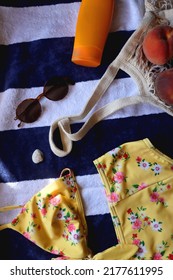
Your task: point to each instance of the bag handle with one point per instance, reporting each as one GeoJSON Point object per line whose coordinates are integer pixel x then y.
{"type": "Point", "coordinates": [64, 123]}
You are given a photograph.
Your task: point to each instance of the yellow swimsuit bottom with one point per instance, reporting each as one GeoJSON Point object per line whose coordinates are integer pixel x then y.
{"type": "Point", "coordinates": [138, 182]}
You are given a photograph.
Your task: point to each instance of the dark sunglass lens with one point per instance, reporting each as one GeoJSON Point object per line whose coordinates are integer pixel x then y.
{"type": "Point", "coordinates": [29, 110]}
{"type": "Point", "coordinates": [57, 88]}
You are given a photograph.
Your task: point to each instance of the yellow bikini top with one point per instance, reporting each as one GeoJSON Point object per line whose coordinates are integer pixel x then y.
{"type": "Point", "coordinates": [54, 220]}
{"type": "Point", "coordinates": [131, 60]}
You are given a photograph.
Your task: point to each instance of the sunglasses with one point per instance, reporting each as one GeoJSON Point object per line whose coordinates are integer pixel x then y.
{"type": "Point", "coordinates": [55, 89]}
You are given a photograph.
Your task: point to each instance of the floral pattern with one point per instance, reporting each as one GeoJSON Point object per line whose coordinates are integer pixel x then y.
{"type": "Point", "coordinates": [116, 221]}
{"type": "Point", "coordinates": [15, 221]}
{"type": "Point", "coordinates": [119, 153]}
{"type": "Point", "coordinates": [71, 183]}
{"type": "Point", "coordinates": [135, 188]}
{"type": "Point", "coordinates": [141, 200]}
{"type": "Point", "coordinates": [55, 200]}
{"type": "Point", "coordinates": [156, 196]}
{"type": "Point", "coordinates": [118, 177]}
{"type": "Point", "coordinates": [42, 206]}
{"type": "Point", "coordinates": [145, 165]}
{"type": "Point", "coordinates": [70, 233]}
{"type": "Point", "coordinates": [142, 250]}
{"type": "Point", "coordinates": [55, 213]}
{"type": "Point", "coordinates": [139, 220]}
{"type": "Point", "coordinates": [160, 250]}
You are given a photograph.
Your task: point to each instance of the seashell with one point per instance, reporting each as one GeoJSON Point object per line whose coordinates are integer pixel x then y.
{"type": "Point", "coordinates": [37, 156]}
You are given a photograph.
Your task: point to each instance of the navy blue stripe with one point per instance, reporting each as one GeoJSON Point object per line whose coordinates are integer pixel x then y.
{"type": "Point", "coordinates": [28, 3]}
{"type": "Point", "coordinates": [25, 65]}
{"type": "Point", "coordinates": [16, 149]}
{"type": "Point", "coordinates": [101, 235]}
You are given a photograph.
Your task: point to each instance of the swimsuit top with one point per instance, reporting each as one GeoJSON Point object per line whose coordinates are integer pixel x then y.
{"type": "Point", "coordinates": [132, 60]}
{"type": "Point", "coordinates": [54, 220]}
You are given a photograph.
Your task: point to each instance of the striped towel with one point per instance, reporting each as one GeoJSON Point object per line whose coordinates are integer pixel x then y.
{"type": "Point", "coordinates": [36, 42]}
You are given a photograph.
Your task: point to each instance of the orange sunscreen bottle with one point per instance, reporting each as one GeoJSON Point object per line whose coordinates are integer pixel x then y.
{"type": "Point", "coordinates": [92, 28]}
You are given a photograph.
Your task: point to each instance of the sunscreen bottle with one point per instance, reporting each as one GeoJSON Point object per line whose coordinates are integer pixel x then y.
{"type": "Point", "coordinates": [92, 28]}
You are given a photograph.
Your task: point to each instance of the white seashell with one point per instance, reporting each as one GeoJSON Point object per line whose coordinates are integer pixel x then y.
{"type": "Point", "coordinates": [37, 156]}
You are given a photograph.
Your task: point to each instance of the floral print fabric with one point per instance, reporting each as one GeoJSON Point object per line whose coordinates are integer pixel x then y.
{"type": "Point", "coordinates": [138, 182]}
{"type": "Point", "coordinates": [54, 219]}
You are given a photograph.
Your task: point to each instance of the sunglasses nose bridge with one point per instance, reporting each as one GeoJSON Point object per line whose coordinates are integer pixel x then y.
{"type": "Point", "coordinates": [40, 96]}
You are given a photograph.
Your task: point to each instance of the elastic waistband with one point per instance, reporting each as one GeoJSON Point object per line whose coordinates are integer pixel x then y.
{"type": "Point", "coordinates": [157, 152]}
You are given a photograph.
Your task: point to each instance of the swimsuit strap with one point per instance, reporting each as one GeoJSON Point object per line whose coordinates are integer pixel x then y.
{"type": "Point", "coordinates": [11, 207]}
{"type": "Point", "coordinates": [8, 208]}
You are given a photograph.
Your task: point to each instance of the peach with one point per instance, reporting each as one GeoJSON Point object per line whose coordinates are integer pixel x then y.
{"type": "Point", "coordinates": [164, 86]}
{"type": "Point", "coordinates": [158, 44]}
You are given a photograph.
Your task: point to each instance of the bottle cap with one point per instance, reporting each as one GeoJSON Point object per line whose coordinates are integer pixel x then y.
{"type": "Point", "coordinates": [87, 56]}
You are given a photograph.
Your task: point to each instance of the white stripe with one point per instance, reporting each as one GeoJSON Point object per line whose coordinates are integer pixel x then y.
{"type": "Point", "coordinates": [91, 190]}
{"type": "Point", "coordinates": [71, 105]}
{"type": "Point", "coordinates": [59, 20]}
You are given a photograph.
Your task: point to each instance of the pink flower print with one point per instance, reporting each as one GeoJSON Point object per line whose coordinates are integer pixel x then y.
{"type": "Point", "coordinates": [161, 200]}
{"type": "Point", "coordinates": [62, 258]}
{"type": "Point", "coordinates": [154, 196]}
{"type": "Point", "coordinates": [55, 252]}
{"type": "Point", "coordinates": [137, 224]}
{"type": "Point", "coordinates": [142, 186]}
{"type": "Point", "coordinates": [136, 242]}
{"type": "Point", "coordinates": [43, 211]}
{"type": "Point", "coordinates": [171, 167]}
{"type": "Point", "coordinates": [168, 187]}
{"type": "Point", "coordinates": [71, 227]}
{"type": "Point", "coordinates": [113, 197]}
{"type": "Point", "coordinates": [119, 177]}
{"type": "Point", "coordinates": [55, 201]}
{"type": "Point", "coordinates": [157, 256]}
{"type": "Point", "coordinates": [23, 210]}
{"type": "Point", "coordinates": [27, 235]}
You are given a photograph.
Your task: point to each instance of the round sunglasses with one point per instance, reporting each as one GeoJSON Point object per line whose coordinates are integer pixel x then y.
{"type": "Point", "coordinates": [29, 110]}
